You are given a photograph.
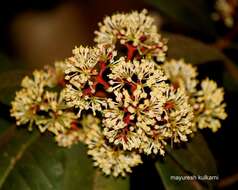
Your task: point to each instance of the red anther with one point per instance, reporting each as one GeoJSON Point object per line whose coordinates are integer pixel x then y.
{"type": "Point", "coordinates": [34, 108]}
{"type": "Point", "coordinates": [143, 38]}
{"type": "Point", "coordinates": [130, 51]}
{"type": "Point", "coordinates": [87, 91]}
{"type": "Point", "coordinates": [125, 110]}
{"type": "Point", "coordinates": [138, 57]}
{"type": "Point", "coordinates": [74, 125]}
{"type": "Point", "coordinates": [169, 105]}
{"type": "Point", "coordinates": [110, 55]}
{"type": "Point", "coordinates": [123, 135]}
{"type": "Point", "coordinates": [142, 49]}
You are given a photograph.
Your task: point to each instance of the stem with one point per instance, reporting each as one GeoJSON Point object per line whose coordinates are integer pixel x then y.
{"type": "Point", "coordinates": [228, 181]}
{"type": "Point", "coordinates": [131, 50]}
{"type": "Point", "coordinates": [15, 158]}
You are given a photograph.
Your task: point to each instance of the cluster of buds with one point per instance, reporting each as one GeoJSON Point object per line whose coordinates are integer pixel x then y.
{"type": "Point", "coordinates": [122, 98]}
{"type": "Point", "coordinates": [226, 11]}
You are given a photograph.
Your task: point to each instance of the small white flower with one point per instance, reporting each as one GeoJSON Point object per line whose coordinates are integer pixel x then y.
{"type": "Point", "coordinates": [182, 75]}
{"type": "Point", "coordinates": [208, 106]}
{"type": "Point", "coordinates": [110, 159]}
{"type": "Point", "coordinates": [135, 31]}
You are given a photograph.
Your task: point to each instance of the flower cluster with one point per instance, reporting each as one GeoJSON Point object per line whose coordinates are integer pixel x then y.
{"type": "Point", "coordinates": [134, 31]}
{"type": "Point", "coordinates": [226, 11]}
{"type": "Point", "coordinates": [38, 104]}
{"type": "Point", "coordinates": [122, 98]}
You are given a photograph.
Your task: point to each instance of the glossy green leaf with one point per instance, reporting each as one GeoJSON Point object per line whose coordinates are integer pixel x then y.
{"type": "Point", "coordinates": [168, 169]}
{"type": "Point", "coordinates": [194, 159]}
{"type": "Point", "coordinates": [196, 52]}
{"type": "Point", "coordinates": [188, 14]}
{"type": "Point", "coordinates": [110, 183]}
{"type": "Point", "coordinates": [9, 83]}
{"type": "Point", "coordinates": [4, 124]}
{"type": "Point", "coordinates": [6, 63]}
{"type": "Point", "coordinates": [191, 50]}
{"type": "Point", "coordinates": [195, 156]}
{"type": "Point", "coordinates": [31, 161]}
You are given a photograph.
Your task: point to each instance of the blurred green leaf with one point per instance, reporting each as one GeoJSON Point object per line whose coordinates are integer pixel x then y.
{"type": "Point", "coordinates": [202, 161]}
{"type": "Point", "coordinates": [167, 168]}
{"type": "Point", "coordinates": [9, 83]}
{"type": "Point", "coordinates": [32, 161]}
{"type": "Point", "coordinates": [195, 159]}
{"type": "Point", "coordinates": [7, 64]}
{"type": "Point", "coordinates": [191, 50]}
{"type": "Point", "coordinates": [196, 52]}
{"type": "Point", "coordinates": [194, 15]}
{"type": "Point", "coordinates": [4, 124]}
{"type": "Point", "coordinates": [13, 144]}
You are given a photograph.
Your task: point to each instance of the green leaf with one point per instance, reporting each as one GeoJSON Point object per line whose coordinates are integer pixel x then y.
{"type": "Point", "coordinates": [194, 159]}
{"type": "Point", "coordinates": [169, 168]}
{"type": "Point", "coordinates": [9, 83]}
{"type": "Point", "coordinates": [13, 144]}
{"type": "Point", "coordinates": [191, 50]}
{"type": "Point", "coordinates": [109, 183]}
{"type": "Point", "coordinates": [6, 63]}
{"type": "Point", "coordinates": [188, 14]}
{"type": "Point", "coordinates": [32, 161]}
{"type": "Point", "coordinates": [196, 52]}
{"type": "Point", "coordinates": [202, 161]}
{"type": "Point", "coordinates": [4, 124]}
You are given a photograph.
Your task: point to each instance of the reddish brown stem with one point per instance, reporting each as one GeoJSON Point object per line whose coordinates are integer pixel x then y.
{"type": "Point", "coordinates": [130, 51]}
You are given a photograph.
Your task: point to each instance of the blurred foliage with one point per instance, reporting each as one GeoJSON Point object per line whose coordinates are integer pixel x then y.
{"type": "Point", "coordinates": [194, 15]}
{"type": "Point", "coordinates": [193, 159]}
{"type": "Point", "coordinates": [32, 161]}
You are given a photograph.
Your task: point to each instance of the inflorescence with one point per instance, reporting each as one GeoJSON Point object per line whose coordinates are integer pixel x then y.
{"type": "Point", "coordinates": [122, 98]}
{"type": "Point", "coordinates": [225, 11]}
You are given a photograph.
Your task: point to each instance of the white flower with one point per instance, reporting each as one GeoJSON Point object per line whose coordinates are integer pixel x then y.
{"type": "Point", "coordinates": [130, 117]}
{"type": "Point", "coordinates": [176, 122]}
{"type": "Point", "coordinates": [144, 73]}
{"type": "Point", "coordinates": [182, 75]}
{"type": "Point", "coordinates": [110, 159]}
{"type": "Point", "coordinates": [136, 31]}
{"type": "Point", "coordinates": [225, 11]}
{"type": "Point", "coordinates": [57, 73]}
{"type": "Point", "coordinates": [208, 106]}
{"type": "Point", "coordinates": [68, 138]}
{"type": "Point", "coordinates": [82, 66]}
{"type": "Point", "coordinates": [57, 120]}
{"type": "Point", "coordinates": [28, 99]}
{"type": "Point", "coordinates": [35, 104]}
{"type": "Point", "coordinates": [85, 70]}
{"type": "Point", "coordinates": [76, 98]}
